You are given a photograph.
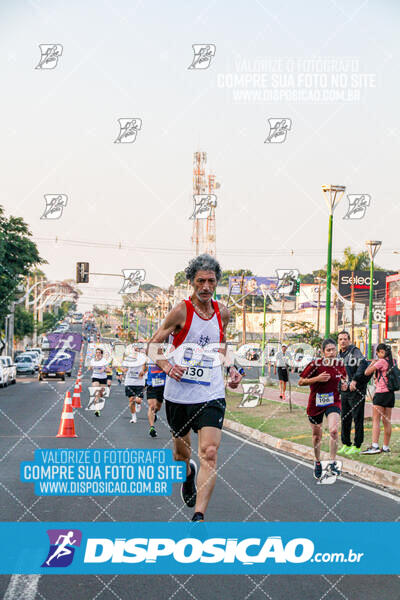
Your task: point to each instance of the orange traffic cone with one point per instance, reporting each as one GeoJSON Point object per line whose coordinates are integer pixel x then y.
{"type": "Point", "coordinates": [67, 424]}
{"type": "Point", "coordinates": [76, 397]}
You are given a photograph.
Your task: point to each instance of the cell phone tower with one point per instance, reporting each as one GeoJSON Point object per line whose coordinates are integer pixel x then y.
{"type": "Point", "coordinates": [204, 232]}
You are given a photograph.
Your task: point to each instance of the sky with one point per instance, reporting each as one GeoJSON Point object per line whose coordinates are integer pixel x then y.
{"type": "Point", "coordinates": [127, 59]}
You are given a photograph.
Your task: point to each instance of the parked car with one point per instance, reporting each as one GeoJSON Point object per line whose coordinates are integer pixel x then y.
{"type": "Point", "coordinates": [10, 368]}
{"type": "Point", "coordinates": [38, 351]}
{"type": "Point", "coordinates": [34, 357]}
{"type": "Point", "coordinates": [3, 376]}
{"type": "Point", "coordinates": [25, 364]}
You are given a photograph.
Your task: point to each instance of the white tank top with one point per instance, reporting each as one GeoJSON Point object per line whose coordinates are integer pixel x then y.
{"type": "Point", "coordinates": [203, 380]}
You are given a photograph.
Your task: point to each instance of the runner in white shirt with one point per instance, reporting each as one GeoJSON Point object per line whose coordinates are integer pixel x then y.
{"type": "Point", "coordinates": [99, 375]}
{"type": "Point", "coordinates": [135, 380]}
{"type": "Point", "coordinates": [194, 391]}
{"type": "Point", "coordinates": [282, 363]}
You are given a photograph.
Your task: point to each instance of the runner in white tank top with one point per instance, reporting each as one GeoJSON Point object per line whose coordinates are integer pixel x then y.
{"type": "Point", "coordinates": [203, 380]}
{"type": "Point", "coordinates": [194, 390]}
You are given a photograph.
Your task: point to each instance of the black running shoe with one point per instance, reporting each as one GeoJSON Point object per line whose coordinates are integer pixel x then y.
{"type": "Point", "coordinates": [97, 413]}
{"type": "Point", "coordinates": [152, 432]}
{"type": "Point", "coordinates": [198, 517]}
{"type": "Point", "coordinates": [334, 468]}
{"type": "Point", "coordinates": [188, 489]}
{"type": "Point", "coordinates": [318, 470]}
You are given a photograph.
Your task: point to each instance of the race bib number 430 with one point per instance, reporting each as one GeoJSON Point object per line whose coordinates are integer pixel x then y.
{"type": "Point", "coordinates": [197, 374]}
{"type": "Point", "coordinates": [324, 399]}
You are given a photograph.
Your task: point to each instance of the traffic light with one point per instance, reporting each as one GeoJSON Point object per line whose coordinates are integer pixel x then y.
{"type": "Point", "coordinates": [297, 287]}
{"type": "Point", "coordinates": [82, 272]}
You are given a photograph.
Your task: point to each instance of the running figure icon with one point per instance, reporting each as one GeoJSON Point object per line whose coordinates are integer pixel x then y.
{"type": "Point", "coordinates": [62, 549]}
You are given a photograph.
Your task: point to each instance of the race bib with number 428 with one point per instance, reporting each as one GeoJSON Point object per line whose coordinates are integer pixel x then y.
{"type": "Point", "coordinates": [325, 399]}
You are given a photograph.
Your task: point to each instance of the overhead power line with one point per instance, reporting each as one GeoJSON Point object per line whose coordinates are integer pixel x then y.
{"type": "Point", "coordinates": [242, 252]}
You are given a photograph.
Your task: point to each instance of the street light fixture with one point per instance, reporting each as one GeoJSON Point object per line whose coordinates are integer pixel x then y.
{"type": "Point", "coordinates": [373, 247]}
{"type": "Point", "coordinates": [333, 194]}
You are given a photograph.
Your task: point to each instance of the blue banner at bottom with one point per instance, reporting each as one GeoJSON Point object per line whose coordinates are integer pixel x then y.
{"type": "Point", "coordinates": [200, 548]}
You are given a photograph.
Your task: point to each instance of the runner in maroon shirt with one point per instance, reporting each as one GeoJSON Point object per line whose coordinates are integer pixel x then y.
{"type": "Point", "coordinates": [326, 376]}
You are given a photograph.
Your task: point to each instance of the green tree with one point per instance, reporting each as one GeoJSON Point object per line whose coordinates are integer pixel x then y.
{"type": "Point", "coordinates": [305, 330]}
{"type": "Point", "coordinates": [18, 254]}
{"type": "Point", "coordinates": [351, 261]}
{"type": "Point", "coordinates": [49, 321]}
{"type": "Point", "coordinates": [23, 322]}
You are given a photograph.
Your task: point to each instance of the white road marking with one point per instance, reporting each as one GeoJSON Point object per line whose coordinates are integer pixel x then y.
{"type": "Point", "coordinates": [22, 587]}
{"type": "Point", "coordinates": [370, 488]}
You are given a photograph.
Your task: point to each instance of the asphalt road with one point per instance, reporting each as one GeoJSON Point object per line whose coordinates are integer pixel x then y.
{"type": "Point", "coordinates": [253, 484]}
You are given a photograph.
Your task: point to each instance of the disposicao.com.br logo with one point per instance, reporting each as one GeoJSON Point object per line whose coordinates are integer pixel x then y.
{"type": "Point", "coordinates": [248, 551]}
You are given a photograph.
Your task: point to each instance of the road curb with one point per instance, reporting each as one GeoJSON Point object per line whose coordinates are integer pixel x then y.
{"type": "Point", "coordinates": [367, 473]}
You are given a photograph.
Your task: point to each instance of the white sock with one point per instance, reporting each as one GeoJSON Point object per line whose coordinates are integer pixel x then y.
{"type": "Point", "coordinates": [375, 445]}
{"type": "Point", "coordinates": [385, 447]}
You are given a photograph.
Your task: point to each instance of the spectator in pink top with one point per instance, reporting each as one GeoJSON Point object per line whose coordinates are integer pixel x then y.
{"type": "Point", "coordinates": [383, 400]}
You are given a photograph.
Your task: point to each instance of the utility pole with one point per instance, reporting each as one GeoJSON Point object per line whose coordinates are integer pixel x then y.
{"type": "Point", "coordinates": [243, 312]}
{"type": "Point", "coordinates": [27, 295]}
{"type": "Point", "coordinates": [352, 306]}
{"type": "Point", "coordinates": [35, 312]}
{"type": "Point", "coordinates": [244, 321]}
{"type": "Point", "coordinates": [282, 313]}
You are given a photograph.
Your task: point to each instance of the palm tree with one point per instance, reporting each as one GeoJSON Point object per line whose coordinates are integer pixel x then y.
{"type": "Point", "coordinates": [355, 262]}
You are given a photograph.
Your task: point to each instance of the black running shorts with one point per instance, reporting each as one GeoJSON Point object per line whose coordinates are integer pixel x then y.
{"type": "Point", "coordinates": [282, 374]}
{"type": "Point", "coordinates": [184, 417]}
{"type": "Point", "coordinates": [101, 381]}
{"type": "Point", "coordinates": [317, 419]}
{"type": "Point", "coordinates": [134, 391]}
{"type": "Point", "coordinates": [155, 393]}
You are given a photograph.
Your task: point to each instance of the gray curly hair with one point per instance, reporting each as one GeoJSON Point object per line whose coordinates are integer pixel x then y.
{"type": "Point", "coordinates": [203, 262]}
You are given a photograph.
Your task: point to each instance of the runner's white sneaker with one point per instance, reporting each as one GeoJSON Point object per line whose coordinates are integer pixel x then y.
{"type": "Point", "coordinates": [133, 419]}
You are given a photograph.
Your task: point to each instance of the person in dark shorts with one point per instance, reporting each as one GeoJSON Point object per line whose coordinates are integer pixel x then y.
{"type": "Point", "coordinates": [282, 364]}
{"type": "Point", "coordinates": [98, 367]}
{"type": "Point", "coordinates": [109, 374]}
{"type": "Point", "coordinates": [195, 389]}
{"type": "Point", "coordinates": [135, 380]}
{"type": "Point", "coordinates": [326, 377]}
{"type": "Point", "coordinates": [383, 400]}
{"type": "Point", "coordinates": [154, 394]}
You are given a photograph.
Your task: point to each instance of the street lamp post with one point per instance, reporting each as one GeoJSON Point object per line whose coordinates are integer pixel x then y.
{"type": "Point", "coordinates": [373, 247]}
{"type": "Point", "coordinates": [333, 194]}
